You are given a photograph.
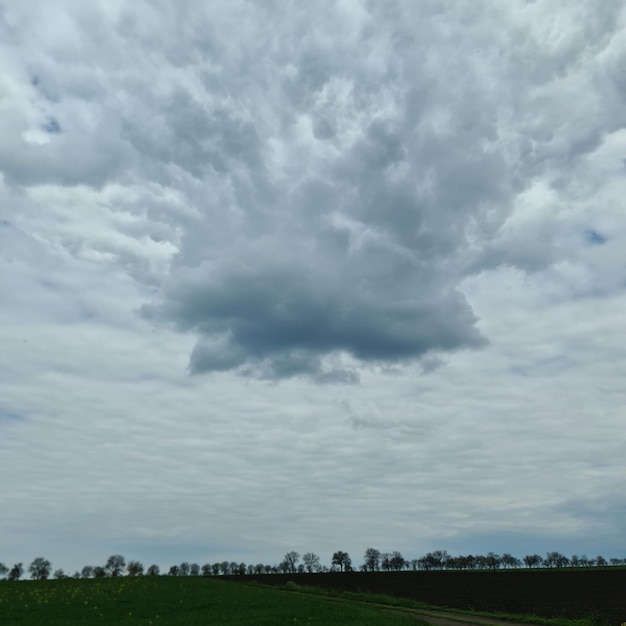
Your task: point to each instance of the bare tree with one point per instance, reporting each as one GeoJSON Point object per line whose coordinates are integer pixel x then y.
{"type": "Point", "coordinates": [153, 570]}
{"type": "Point", "coordinates": [311, 562]}
{"type": "Point", "coordinates": [508, 560]}
{"type": "Point", "coordinates": [371, 560]}
{"type": "Point", "coordinates": [99, 572]}
{"type": "Point", "coordinates": [134, 568]}
{"type": "Point", "coordinates": [469, 561]}
{"type": "Point", "coordinates": [532, 560]}
{"type": "Point", "coordinates": [342, 560]}
{"type": "Point", "coordinates": [16, 572]}
{"type": "Point", "coordinates": [385, 561]}
{"type": "Point", "coordinates": [40, 568]}
{"type": "Point", "coordinates": [396, 561]}
{"type": "Point", "coordinates": [291, 559]}
{"type": "Point", "coordinates": [3, 569]}
{"type": "Point", "coordinates": [86, 572]}
{"type": "Point", "coordinates": [174, 571]}
{"type": "Point", "coordinates": [493, 560]}
{"type": "Point", "coordinates": [59, 574]}
{"type": "Point", "coordinates": [206, 569]}
{"type": "Point", "coordinates": [115, 565]}
{"type": "Point", "coordinates": [440, 558]}
{"type": "Point", "coordinates": [555, 559]}
{"type": "Point", "coordinates": [434, 560]}
{"type": "Point", "coordinates": [194, 569]}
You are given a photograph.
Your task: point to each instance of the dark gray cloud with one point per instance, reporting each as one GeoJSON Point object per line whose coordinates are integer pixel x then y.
{"type": "Point", "coordinates": [343, 202]}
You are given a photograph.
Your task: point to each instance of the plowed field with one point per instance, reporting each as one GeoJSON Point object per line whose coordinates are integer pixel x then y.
{"type": "Point", "coordinates": [545, 593]}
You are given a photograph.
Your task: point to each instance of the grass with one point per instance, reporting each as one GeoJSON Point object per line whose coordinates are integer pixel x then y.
{"type": "Point", "coordinates": [171, 601]}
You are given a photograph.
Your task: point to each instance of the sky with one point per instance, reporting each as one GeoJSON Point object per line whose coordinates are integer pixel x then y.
{"type": "Point", "coordinates": [317, 276]}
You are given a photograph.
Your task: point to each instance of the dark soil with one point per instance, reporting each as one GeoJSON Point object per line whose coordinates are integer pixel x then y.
{"type": "Point", "coordinates": [545, 593]}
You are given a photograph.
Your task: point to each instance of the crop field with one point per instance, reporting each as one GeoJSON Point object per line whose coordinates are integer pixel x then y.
{"type": "Point", "coordinates": [171, 601]}
{"type": "Point", "coordinates": [567, 593]}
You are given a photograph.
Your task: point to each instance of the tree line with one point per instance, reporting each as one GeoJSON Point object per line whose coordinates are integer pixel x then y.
{"type": "Point", "coordinates": [373, 561]}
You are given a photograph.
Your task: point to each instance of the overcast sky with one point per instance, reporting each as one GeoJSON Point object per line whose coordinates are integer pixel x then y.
{"type": "Point", "coordinates": [282, 275]}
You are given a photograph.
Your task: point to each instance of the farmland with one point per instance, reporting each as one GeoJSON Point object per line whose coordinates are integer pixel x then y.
{"type": "Point", "coordinates": [597, 596]}
{"type": "Point", "coordinates": [566, 592]}
{"type": "Point", "coordinates": [172, 601]}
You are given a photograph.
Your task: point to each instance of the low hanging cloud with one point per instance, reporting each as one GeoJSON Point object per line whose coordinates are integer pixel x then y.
{"type": "Point", "coordinates": [281, 316]}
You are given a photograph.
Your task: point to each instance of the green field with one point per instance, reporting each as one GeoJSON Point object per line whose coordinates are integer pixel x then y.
{"type": "Point", "coordinates": [175, 601]}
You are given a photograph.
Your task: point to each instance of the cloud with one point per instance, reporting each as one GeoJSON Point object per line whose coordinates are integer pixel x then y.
{"type": "Point", "coordinates": [370, 160]}
{"type": "Point", "coordinates": [345, 213]}
{"type": "Point", "coordinates": [353, 196]}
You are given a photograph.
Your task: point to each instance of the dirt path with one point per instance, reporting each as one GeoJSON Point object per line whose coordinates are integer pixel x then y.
{"type": "Point", "coordinates": [434, 617]}
{"type": "Point", "coordinates": [446, 618]}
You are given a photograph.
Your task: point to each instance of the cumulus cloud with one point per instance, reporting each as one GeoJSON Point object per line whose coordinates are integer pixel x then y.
{"type": "Point", "coordinates": [347, 192]}
{"type": "Point", "coordinates": [352, 193]}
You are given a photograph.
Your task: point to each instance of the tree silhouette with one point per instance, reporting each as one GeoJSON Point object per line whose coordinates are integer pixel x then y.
{"type": "Point", "coordinates": [40, 568]}
{"type": "Point", "coordinates": [342, 560]}
{"type": "Point", "coordinates": [290, 560]}
{"type": "Point", "coordinates": [16, 572]}
{"type": "Point", "coordinates": [508, 560]}
{"type": "Point", "coordinates": [555, 559]}
{"type": "Point", "coordinates": [311, 562]}
{"type": "Point", "coordinates": [115, 565]}
{"type": "Point", "coordinates": [134, 568]}
{"type": "Point", "coordinates": [396, 561]}
{"type": "Point", "coordinates": [371, 560]}
{"type": "Point", "coordinates": [533, 560]}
